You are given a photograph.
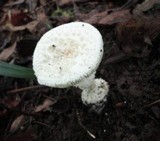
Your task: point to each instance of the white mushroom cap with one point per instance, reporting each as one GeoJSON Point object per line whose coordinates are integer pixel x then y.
{"type": "Point", "coordinates": [66, 54]}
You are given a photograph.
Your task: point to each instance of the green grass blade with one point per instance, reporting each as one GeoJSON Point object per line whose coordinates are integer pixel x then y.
{"type": "Point", "coordinates": [16, 71]}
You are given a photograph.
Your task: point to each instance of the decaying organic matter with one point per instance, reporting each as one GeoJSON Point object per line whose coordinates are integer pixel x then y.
{"type": "Point", "coordinates": [131, 64]}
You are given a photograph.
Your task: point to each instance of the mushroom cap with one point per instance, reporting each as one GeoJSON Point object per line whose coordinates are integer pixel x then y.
{"type": "Point", "coordinates": [67, 54]}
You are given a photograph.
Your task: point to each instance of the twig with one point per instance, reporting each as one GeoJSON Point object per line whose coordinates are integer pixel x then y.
{"type": "Point", "coordinates": [128, 4]}
{"type": "Point", "coordinates": [116, 58]}
{"type": "Point", "coordinates": [48, 97]}
{"type": "Point", "coordinates": [157, 122]}
{"type": "Point", "coordinates": [23, 89]}
{"type": "Point", "coordinates": [41, 123]}
{"type": "Point", "coordinates": [76, 10]}
{"type": "Point", "coordinates": [8, 125]}
{"type": "Point", "coordinates": [14, 3]}
{"type": "Point", "coordinates": [153, 103]}
{"type": "Point", "coordinates": [80, 123]}
{"type": "Point", "coordinates": [19, 111]}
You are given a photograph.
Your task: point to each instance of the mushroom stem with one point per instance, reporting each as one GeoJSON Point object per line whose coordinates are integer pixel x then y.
{"type": "Point", "coordinates": [94, 91]}
{"type": "Point", "coordinates": [86, 82]}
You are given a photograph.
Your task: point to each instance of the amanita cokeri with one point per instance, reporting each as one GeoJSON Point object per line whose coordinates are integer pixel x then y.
{"type": "Point", "coordinates": [68, 55]}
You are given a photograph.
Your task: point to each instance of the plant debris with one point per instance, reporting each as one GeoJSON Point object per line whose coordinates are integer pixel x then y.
{"type": "Point", "coordinates": [131, 65]}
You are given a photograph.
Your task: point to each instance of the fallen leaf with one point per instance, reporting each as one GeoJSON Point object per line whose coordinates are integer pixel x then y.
{"type": "Point", "coordinates": [105, 18]}
{"type": "Point", "coordinates": [145, 6]}
{"type": "Point", "coordinates": [6, 53]}
{"type": "Point", "coordinates": [12, 101]}
{"type": "Point", "coordinates": [17, 123]}
{"type": "Point", "coordinates": [67, 2]}
{"type": "Point", "coordinates": [64, 2]}
{"type": "Point", "coordinates": [32, 4]}
{"type": "Point", "coordinates": [136, 36]}
{"type": "Point", "coordinates": [30, 26]}
{"type": "Point", "coordinates": [3, 18]}
{"type": "Point", "coordinates": [15, 17]}
{"type": "Point", "coordinates": [115, 17]}
{"type": "Point", "coordinates": [93, 17]}
{"type": "Point", "coordinates": [13, 3]}
{"type": "Point", "coordinates": [44, 106]}
{"type": "Point", "coordinates": [41, 16]}
{"type": "Point", "coordinates": [19, 18]}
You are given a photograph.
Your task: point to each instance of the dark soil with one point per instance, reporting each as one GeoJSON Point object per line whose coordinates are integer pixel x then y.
{"type": "Point", "coordinates": [131, 65]}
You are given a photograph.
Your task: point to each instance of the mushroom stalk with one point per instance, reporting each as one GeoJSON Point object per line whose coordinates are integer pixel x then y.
{"type": "Point", "coordinates": [86, 82]}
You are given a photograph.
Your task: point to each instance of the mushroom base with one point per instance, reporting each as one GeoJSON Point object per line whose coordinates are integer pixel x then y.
{"type": "Point", "coordinates": [95, 94]}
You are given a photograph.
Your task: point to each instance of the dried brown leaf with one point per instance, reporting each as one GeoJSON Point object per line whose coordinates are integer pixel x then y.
{"type": "Point", "coordinates": [30, 26]}
{"type": "Point", "coordinates": [11, 102]}
{"type": "Point", "coordinates": [104, 18]}
{"type": "Point", "coordinates": [136, 36]}
{"type": "Point", "coordinates": [66, 2]}
{"type": "Point", "coordinates": [18, 18]}
{"type": "Point", "coordinates": [41, 16]}
{"type": "Point", "coordinates": [32, 4]}
{"type": "Point", "coordinates": [44, 106]}
{"type": "Point", "coordinates": [12, 3]}
{"type": "Point", "coordinates": [15, 18]}
{"type": "Point", "coordinates": [115, 17]}
{"type": "Point", "coordinates": [6, 53]}
{"type": "Point", "coordinates": [145, 6]}
{"type": "Point", "coordinates": [17, 123]}
{"type": "Point", "coordinates": [3, 19]}
{"type": "Point", "coordinates": [93, 17]}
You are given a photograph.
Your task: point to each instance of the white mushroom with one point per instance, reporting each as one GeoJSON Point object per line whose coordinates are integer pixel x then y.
{"type": "Point", "coordinates": [69, 55]}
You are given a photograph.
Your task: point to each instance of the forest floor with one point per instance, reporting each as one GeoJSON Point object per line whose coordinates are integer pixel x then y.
{"type": "Point", "coordinates": [131, 65]}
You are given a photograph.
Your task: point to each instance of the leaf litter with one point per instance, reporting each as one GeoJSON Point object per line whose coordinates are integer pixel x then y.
{"type": "Point", "coordinates": [130, 64]}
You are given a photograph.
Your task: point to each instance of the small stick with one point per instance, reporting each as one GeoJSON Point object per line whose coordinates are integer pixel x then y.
{"type": "Point", "coordinates": [116, 58]}
{"type": "Point", "coordinates": [153, 103]}
{"type": "Point", "coordinates": [19, 111]}
{"type": "Point", "coordinates": [41, 123]}
{"type": "Point", "coordinates": [23, 89]}
{"type": "Point", "coordinates": [80, 123]}
{"type": "Point", "coordinates": [153, 119]}
{"type": "Point", "coordinates": [76, 10]}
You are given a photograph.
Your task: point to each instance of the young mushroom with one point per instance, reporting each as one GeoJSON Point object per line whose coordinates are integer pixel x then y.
{"type": "Point", "coordinates": [69, 55]}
